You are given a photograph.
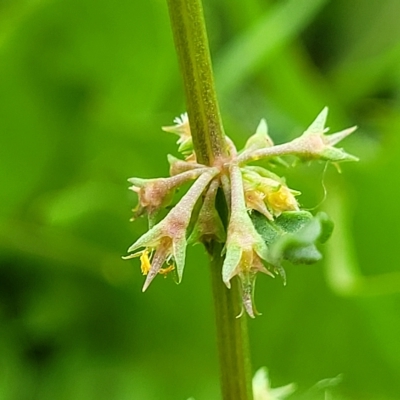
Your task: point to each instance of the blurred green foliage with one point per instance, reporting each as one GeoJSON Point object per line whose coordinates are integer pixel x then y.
{"type": "Point", "coordinates": [84, 87]}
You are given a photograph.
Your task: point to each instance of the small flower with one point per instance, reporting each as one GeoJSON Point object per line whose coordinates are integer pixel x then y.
{"type": "Point", "coordinates": [262, 387]}
{"type": "Point", "coordinates": [182, 129]}
{"type": "Point", "coordinates": [208, 226]}
{"type": "Point", "coordinates": [282, 199]}
{"type": "Point", "coordinates": [145, 262]}
{"type": "Point", "coordinates": [245, 249]}
{"type": "Point", "coordinates": [314, 144]}
{"type": "Point", "coordinates": [255, 200]}
{"type": "Point", "coordinates": [260, 139]}
{"type": "Point", "coordinates": [155, 194]}
{"type": "Point", "coordinates": [244, 261]}
{"type": "Point", "coordinates": [166, 241]}
{"type": "Point", "coordinates": [161, 251]}
{"type": "Point", "coordinates": [266, 195]}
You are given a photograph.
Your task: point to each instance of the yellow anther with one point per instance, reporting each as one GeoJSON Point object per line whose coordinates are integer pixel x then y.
{"type": "Point", "coordinates": [145, 262]}
{"type": "Point", "coordinates": [165, 271]}
{"type": "Point", "coordinates": [282, 200]}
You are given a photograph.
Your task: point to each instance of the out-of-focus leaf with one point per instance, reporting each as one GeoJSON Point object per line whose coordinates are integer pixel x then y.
{"type": "Point", "coordinates": [244, 55]}
{"type": "Point", "coordinates": [322, 390]}
{"type": "Point", "coordinates": [25, 140]}
{"type": "Point", "coordinates": [12, 14]}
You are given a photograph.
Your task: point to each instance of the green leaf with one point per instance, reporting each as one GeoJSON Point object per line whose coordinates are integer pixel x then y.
{"type": "Point", "coordinates": [326, 227]}
{"type": "Point", "coordinates": [267, 229]}
{"type": "Point", "coordinates": [293, 236]}
{"type": "Point", "coordinates": [303, 254]}
{"type": "Point", "coordinates": [293, 221]}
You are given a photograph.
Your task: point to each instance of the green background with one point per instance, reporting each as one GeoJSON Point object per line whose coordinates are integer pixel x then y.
{"type": "Point", "coordinates": [84, 87]}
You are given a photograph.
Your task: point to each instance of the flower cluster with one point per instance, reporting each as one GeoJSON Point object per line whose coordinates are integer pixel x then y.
{"type": "Point", "coordinates": [285, 232]}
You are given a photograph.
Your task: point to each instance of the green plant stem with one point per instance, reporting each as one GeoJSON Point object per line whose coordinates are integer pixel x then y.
{"type": "Point", "coordinates": [210, 146]}
{"type": "Point", "coordinates": [290, 148]}
{"type": "Point", "coordinates": [191, 44]}
{"type": "Point", "coordinates": [232, 336]}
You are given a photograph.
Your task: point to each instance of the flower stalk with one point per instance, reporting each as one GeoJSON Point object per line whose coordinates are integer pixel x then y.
{"type": "Point", "coordinates": [211, 148]}
{"type": "Point", "coordinates": [232, 336]}
{"type": "Point", "coordinates": [191, 43]}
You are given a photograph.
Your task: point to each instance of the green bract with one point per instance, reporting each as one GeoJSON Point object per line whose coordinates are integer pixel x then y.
{"type": "Point", "coordinates": [264, 225]}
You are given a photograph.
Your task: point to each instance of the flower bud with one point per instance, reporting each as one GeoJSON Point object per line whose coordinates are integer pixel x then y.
{"type": "Point", "coordinates": [182, 129]}
{"type": "Point", "coordinates": [208, 226]}
{"type": "Point", "coordinates": [268, 196]}
{"type": "Point", "coordinates": [260, 139]}
{"type": "Point", "coordinates": [178, 166]}
{"type": "Point", "coordinates": [155, 194]}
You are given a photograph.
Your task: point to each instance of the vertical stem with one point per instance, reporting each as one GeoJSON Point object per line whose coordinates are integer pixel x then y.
{"type": "Point", "coordinates": [232, 336]}
{"type": "Point", "coordinates": [191, 44]}
{"type": "Point", "coordinates": [209, 142]}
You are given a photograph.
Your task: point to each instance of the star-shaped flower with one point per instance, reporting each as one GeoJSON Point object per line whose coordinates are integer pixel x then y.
{"type": "Point", "coordinates": [314, 144]}
{"type": "Point", "coordinates": [155, 194]}
{"type": "Point", "coordinates": [166, 241]}
{"type": "Point", "coordinates": [245, 248]}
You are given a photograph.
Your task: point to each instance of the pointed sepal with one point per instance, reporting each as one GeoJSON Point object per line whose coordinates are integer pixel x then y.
{"type": "Point", "coordinates": [260, 139]}
{"type": "Point", "coordinates": [318, 125]}
{"type": "Point", "coordinates": [314, 144]}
